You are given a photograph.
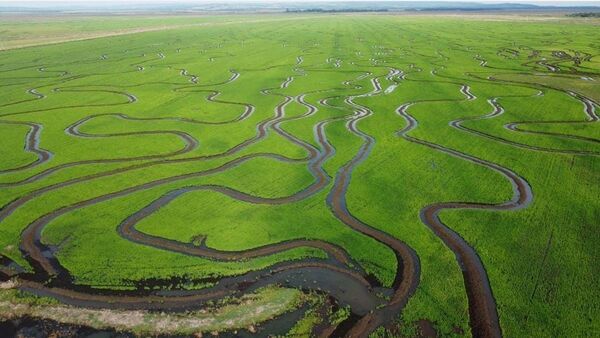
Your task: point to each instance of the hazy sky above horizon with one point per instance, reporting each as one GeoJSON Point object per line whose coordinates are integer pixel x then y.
{"type": "Point", "coordinates": [565, 2]}
{"type": "Point", "coordinates": [125, 2]}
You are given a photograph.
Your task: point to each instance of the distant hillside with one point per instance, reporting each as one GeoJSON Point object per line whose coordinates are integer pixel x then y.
{"type": "Point", "coordinates": [313, 6]}
{"type": "Point", "coordinates": [410, 5]}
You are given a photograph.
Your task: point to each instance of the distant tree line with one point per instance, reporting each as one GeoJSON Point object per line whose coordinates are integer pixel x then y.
{"type": "Point", "coordinates": [341, 10]}
{"type": "Point", "coordinates": [585, 15]}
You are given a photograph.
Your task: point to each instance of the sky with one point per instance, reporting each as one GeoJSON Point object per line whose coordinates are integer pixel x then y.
{"type": "Point", "coordinates": [564, 2]}
{"type": "Point", "coordinates": [543, 2]}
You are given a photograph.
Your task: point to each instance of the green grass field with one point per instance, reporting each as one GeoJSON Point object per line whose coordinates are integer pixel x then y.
{"type": "Point", "coordinates": [221, 163]}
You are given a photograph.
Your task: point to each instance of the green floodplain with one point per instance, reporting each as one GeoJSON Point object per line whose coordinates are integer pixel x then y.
{"type": "Point", "coordinates": [302, 175]}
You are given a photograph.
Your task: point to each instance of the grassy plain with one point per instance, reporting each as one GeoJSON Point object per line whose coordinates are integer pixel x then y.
{"type": "Point", "coordinates": [541, 261]}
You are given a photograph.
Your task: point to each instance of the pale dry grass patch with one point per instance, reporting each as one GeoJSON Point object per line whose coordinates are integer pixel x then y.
{"type": "Point", "coordinates": [255, 308]}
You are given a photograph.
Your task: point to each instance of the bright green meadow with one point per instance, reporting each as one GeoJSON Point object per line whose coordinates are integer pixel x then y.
{"type": "Point", "coordinates": [541, 261]}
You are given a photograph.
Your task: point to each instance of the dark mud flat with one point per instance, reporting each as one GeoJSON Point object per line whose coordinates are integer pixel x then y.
{"type": "Point", "coordinates": [41, 328]}
{"type": "Point", "coordinates": [277, 327]}
{"type": "Point", "coordinates": [426, 329]}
